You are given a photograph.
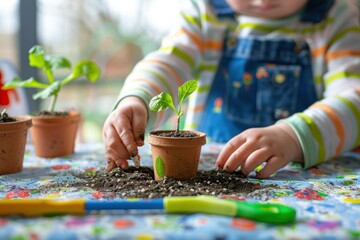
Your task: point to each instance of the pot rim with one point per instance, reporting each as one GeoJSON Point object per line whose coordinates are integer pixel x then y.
{"type": "Point", "coordinates": [200, 134]}
{"type": "Point", "coordinates": [22, 123]}
{"type": "Point", "coordinates": [72, 113]}
{"type": "Point", "coordinates": [19, 119]}
{"type": "Point", "coordinates": [178, 142]}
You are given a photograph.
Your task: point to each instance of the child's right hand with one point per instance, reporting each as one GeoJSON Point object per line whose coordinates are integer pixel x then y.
{"type": "Point", "coordinates": [124, 131]}
{"type": "Point", "coordinates": [275, 145]}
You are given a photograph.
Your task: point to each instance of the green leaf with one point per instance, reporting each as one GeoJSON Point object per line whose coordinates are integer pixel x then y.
{"type": "Point", "coordinates": [57, 62]}
{"type": "Point", "coordinates": [161, 102]}
{"type": "Point", "coordinates": [36, 57]}
{"type": "Point", "coordinates": [160, 167]}
{"type": "Point", "coordinates": [85, 68]}
{"type": "Point", "coordinates": [52, 90]}
{"type": "Point", "coordinates": [30, 83]}
{"type": "Point", "coordinates": [186, 89]}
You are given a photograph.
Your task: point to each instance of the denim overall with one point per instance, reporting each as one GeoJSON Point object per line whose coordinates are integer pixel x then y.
{"type": "Point", "coordinates": [259, 80]}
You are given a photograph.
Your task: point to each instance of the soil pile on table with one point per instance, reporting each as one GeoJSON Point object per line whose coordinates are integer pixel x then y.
{"type": "Point", "coordinates": [140, 183]}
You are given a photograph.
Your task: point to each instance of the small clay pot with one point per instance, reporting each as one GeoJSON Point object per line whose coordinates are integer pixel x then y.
{"type": "Point", "coordinates": [13, 136]}
{"type": "Point", "coordinates": [176, 157]}
{"type": "Point", "coordinates": [54, 136]}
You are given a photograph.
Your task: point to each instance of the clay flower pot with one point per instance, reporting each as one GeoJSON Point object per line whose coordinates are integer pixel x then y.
{"type": "Point", "coordinates": [176, 157]}
{"type": "Point", "coordinates": [54, 136]}
{"type": "Point", "coordinates": [13, 136]}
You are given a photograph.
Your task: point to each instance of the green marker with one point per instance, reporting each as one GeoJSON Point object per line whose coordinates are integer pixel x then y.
{"type": "Point", "coordinates": [257, 211]}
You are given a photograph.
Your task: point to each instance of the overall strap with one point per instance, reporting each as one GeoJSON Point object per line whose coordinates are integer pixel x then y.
{"type": "Point", "coordinates": [314, 11]}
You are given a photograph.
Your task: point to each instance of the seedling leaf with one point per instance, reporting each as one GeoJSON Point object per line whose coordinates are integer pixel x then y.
{"type": "Point", "coordinates": [164, 100]}
{"type": "Point", "coordinates": [52, 90]}
{"type": "Point", "coordinates": [57, 62]}
{"type": "Point", "coordinates": [186, 89]}
{"type": "Point", "coordinates": [36, 57]}
{"type": "Point", "coordinates": [30, 83]}
{"type": "Point", "coordinates": [161, 102]}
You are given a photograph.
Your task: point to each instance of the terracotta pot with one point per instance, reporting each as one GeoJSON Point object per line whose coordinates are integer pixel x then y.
{"type": "Point", "coordinates": [176, 157]}
{"type": "Point", "coordinates": [55, 136]}
{"type": "Point", "coordinates": [13, 136]}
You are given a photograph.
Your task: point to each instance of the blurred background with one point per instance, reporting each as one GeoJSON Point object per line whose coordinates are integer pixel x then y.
{"type": "Point", "coordinates": [116, 34]}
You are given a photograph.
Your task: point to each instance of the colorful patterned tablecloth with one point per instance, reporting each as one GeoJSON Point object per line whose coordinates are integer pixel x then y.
{"type": "Point", "coordinates": [327, 200]}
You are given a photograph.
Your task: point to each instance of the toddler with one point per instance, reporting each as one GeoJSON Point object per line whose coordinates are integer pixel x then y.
{"type": "Point", "coordinates": [279, 81]}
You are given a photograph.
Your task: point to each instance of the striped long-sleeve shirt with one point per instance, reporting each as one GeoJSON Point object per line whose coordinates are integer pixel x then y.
{"type": "Point", "coordinates": [193, 49]}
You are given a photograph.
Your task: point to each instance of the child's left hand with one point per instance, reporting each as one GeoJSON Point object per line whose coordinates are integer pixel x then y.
{"type": "Point", "coordinates": [276, 145]}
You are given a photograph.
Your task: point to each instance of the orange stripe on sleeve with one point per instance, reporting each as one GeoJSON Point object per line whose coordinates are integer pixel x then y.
{"type": "Point", "coordinates": [168, 69]}
{"type": "Point", "coordinates": [153, 85]}
{"type": "Point", "coordinates": [336, 121]}
{"type": "Point", "coordinates": [343, 53]}
{"type": "Point", "coordinates": [213, 45]}
{"type": "Point", "coordinates": [197, 41]}
{"type": "Point", "coordinates": [318, 52]}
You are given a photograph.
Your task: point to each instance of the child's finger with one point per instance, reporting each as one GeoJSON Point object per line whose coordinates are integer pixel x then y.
{"type": "Point", "coordinates": [139, 121]}
{"type": "Point", "coordinates": [115, 151]}
{"type": "Point", "coordinates": [272, 165]}
{"type": "Point", "coordinates": [113, 160]}
{"type": "Point", "coordinates": [238, 157]}
{"type": "Point", "coordinates": [139, 136]}
{"type": "Point", "coordinates": [228, 150]}
{"type": "Point", "coordinates": [110, 165]}
{"type": "Point", "coordinates": [125, 133]}
{"type": "Point", "coordinates": [123, 163]}
{"type": "Point", "coordinates": [254, 160]}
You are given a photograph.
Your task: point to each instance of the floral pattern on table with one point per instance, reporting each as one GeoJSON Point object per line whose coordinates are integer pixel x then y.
{"type": "Point", "coordinates": [326, 197]}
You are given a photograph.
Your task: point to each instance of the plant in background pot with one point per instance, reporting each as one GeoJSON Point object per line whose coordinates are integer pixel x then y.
{"type": "Point", "coordinates": [54, 132]}
{"type": "Point", "coordinates": [13, 136]}
{"type": "Point", "coordinates": [175, 153]}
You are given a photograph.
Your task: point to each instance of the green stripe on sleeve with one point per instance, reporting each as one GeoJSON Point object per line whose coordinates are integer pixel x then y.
{"type": "Point", "coordinates": [315, 131]}
{"type": "Point", "coordinates": [180, 54]}
{"type": "Point", "coordinates": [205, 88]}
{"type": "Point", "coordinates": [340, 75]}
{"type": "Point", "coordinates": [191, 19]}
{"type": "Point", "coordinates": [308, 134]}
{"type": "Point", "coordinates": [210, 19]}
{"type": "Point", "coordinates": [265, 28]}
{"type": "Point", "coordinates": [210, 68]}
{"type": "Point", "coordinates": [319, 27]}
{"type": "Point", "coordinates": [342, 33]}
{"type": "Point", "coordinates": [356, 112]}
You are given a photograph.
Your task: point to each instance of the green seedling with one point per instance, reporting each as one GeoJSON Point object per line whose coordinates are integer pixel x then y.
{"type": "Point", "coordinates": [164, 100]}
{"type": "Point", "coordinates": [48, 64]}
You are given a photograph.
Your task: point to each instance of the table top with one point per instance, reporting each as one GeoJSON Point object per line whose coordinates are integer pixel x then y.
{"type": "Point", "coordinates": [326, 198]}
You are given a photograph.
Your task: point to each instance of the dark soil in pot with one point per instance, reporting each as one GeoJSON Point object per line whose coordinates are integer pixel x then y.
{"type": "Point", "coordinates": [182, 134]}
{"type": "Point", "coordinates": [4, 118]}
{"type": "Point", "coordinates": [45, 113]}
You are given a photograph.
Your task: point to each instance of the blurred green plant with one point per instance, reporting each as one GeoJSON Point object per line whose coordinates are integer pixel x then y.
{"type": "Point", "coordinates": [48, 64]}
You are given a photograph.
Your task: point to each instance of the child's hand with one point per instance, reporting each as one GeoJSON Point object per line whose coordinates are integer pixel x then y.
{"type": "Point", "coordinates": [123, 131]}
{"type": "Point", "coordinates": [276, 145]}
